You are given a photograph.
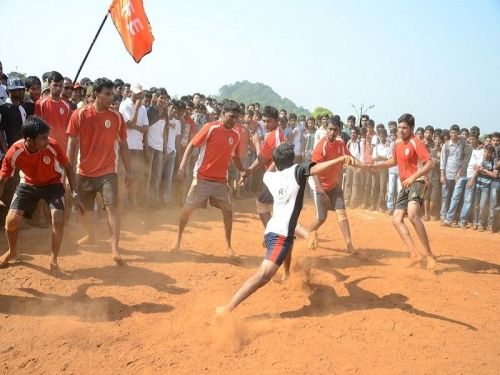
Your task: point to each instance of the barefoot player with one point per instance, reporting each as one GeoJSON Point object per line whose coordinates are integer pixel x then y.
{"type": "Point", "coordinates": [218, 143]}
{"type": "Point", "coordinates": [41, 161]}
{"type": "Point", "coordinates": [287, 187]}
{"type": "Point", "coordinates": [409, 153]}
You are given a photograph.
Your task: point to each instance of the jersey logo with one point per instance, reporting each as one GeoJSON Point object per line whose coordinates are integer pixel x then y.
{"type": "Point", "coordinates": [46, 160]}
{"type": "Point", "coordinates": [61, 111]}
{"type": "Point", "coordinates": [107, 124]}
{"type": "Point", "coordinates": [231, 141]}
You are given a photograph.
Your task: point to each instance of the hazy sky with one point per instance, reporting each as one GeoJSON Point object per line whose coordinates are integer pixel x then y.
{"type": "Point", "coordinates": [439, 60]}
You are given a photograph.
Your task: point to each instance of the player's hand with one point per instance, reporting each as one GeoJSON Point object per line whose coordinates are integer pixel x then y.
{"type": "Point", "coordinates": [470, 184]}
{"type": "Point", "coordinates": [128, 179]}
{"type": "Point", "coordinates": [181, 173]}
{"type": "Point", "coordinates": [442, 180]}
{"type": "Point", "coordinates": [407, 182]}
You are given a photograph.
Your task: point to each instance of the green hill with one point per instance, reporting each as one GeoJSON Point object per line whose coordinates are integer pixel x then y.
{"type": "Point", "coordinates": [248, 92]}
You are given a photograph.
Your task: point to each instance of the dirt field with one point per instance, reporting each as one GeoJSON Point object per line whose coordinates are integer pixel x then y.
{"type": "Point", "coordinates": [337, 314]}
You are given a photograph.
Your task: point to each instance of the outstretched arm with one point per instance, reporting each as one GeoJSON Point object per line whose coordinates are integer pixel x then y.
{"type": "Point", "coordinates": [324, 166]}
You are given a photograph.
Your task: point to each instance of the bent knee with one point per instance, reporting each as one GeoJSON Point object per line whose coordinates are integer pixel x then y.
{"type": "Point", "coordinates": [58, 218]}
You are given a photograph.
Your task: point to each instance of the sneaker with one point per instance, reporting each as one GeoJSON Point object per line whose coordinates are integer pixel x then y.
{"type": "Point", "coordinates": [445, 223]}
{"type": "Point", "coordinates": [474, 226]}
{"type": "Point", "coordinates": [481, 229]}
{"type": "Point", "coordinates": [463, 226]}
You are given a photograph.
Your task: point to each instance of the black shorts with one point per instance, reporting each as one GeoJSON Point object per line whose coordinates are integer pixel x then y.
{"type": "Point", "coordinates": [414, 193]}
{"type": "Point", "coordinates": [336, 202]}
{"type": "Point", "coordinates": [27, 196]}
{"type": "Point", "coordinates": [106, 185]}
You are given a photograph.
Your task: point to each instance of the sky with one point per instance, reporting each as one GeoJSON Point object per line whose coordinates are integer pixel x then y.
{"type": "Point", "coordinates": [439, 60]}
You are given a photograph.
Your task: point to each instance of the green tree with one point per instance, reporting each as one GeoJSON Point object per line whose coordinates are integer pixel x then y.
{"type": "Point", "coordinates": [321, 111]}
{"type": "Point", "coordinates": [248, 92]}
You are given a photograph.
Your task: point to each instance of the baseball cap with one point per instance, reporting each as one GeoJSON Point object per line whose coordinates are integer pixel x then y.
{"type": "Point", "coordinates": [136, 88]}
{"type": "Point", "coordinates": [14, 83]}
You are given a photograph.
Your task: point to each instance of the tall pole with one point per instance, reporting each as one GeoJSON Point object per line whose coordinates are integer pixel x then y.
{"type": "Point", "coordinates": [90, 48]}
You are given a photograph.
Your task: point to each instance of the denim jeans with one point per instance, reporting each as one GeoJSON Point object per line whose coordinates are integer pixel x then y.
{"type": "Point", "coordinates": [455, 199]}
{"type": "Point", "coordinates": [468, 199]}
{"type": "Point", "coordinates": [168, 171]}
{"type": "Point", "coordinates": [393, 189]}
{"type": "Point", "coordinates": [155, 172]}
{"type": "Point", "coordinates": [481, 209]}
{"type": "Point", "coordinates": [447, 192]}
{"type": "Point", "coordinates": [494, 205]}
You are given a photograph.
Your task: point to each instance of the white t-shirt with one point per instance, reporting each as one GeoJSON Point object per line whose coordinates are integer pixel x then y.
{"type": "Point", "coordinates": [320, 133]}
{"type": "Point", "coordinates": [476, 158]}
{"type": "Point", "coordinates": [297, 138]}
{"type": "Point", "coordinates": [381, 151]}
{"type": "Point", "coordinates": [287, 188]}
{"type": "Point", "coordinates": [155, 134]}
{"type": "Point", "coordinates": [134, 137]}
{"type": "Point", "coordinates": [173, 132]}
{"type": "Point", "coordinates": [356, 148]}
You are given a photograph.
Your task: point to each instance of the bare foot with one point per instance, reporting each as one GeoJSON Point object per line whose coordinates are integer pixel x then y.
{"type": "Point", "coordinates": [86, 241]}
{"type": "Point", "coordinates": [55, 269]}
{"type": "Point", "coordinates": [4, 259]}
{"type": "Point", "coordinates": [415, 258]}
{"type": "Point", "coordinates": [117, 258]}
{"type": "Point", "coordinates": [312, 243]}
{"type": "Point", "coordinates": [230, 252]}
{"type": "Point", "coordinates": [431, 262]}
{"type": "Point", "coordinates": [350, 249]}
{"type": "Point", "coordinates": [176, 245]}
{"type": "Point", "coordinates": [220, 312]}
{"type": "Point", "coordinates": [285, 276]}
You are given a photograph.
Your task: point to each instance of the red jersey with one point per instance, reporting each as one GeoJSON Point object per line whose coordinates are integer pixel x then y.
{"type": "Point", "coordinates": [190, 125]}
{"type": "Point", "coordinates": [42, 168]}
{"type": "Point", "coordinates": [56, 113]}
{"type": "Point", "coordinates": [218, 145]}
{"type": "Point", "coordinates": [410, 155]}
{"type": "Point", "coordinates": [99, 134]}
{"type": "Point", "coordinates": [244, 140]}
{"type": "Point", "coordinates": [273, 139]}
{"type": "Point", "coordinates": [324, 151]}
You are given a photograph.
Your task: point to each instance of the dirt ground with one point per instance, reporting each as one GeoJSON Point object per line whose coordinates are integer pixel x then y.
{"type": "Point", "coordinates": [337, 314]}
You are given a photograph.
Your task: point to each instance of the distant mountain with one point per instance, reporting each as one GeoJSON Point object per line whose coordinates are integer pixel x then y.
{"type": "Point", "coordinates": [248, 92]}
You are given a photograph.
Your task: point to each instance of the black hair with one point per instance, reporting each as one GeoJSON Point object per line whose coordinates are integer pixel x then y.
{"type": "Point", "coordinates": [475, 129]}
{"type": "Point", "coordinates": [283, 156]}
{"type": "Point", "coordinates": [429, 128]}
{"type": "Point", "coordinates": [495, 134]}
{"type": "Point", "coordinates": [231, 106]}
{"type": "Point", "coordinates": [408, 118]}
{"type": "Point", "coordinates": [55, 77]}
{"type": "Point", "coordinates": [380, 126]}
{"type": "Point", "coordinates": [490, 148]}
{"type": "Point", "coordinates": [455, 127]}
{"type": "Point", "coordinates": [148, 94]}
{"type": "Point", "coordinates": [34, 126]}
{"type": "Point", "coordinates": [189, 104]}
{"type": "Point", "coordinates": [390, 123]}
{"type": "Point", "coordinates": [292, 115]}
{"type": "Point", "coordinates": [126, 85]}
{"type": "Point", "coordinates": [197, 93]}
{"type": "Point", "coordinates": [249, 112]}
{"type": "Point", "coordinates": [45, 76]}
{"type": "Point", "coordinates": [355, 129]}
{"type": "Point", "coordinates": [365, 117]}
{"type": "Point", "coordinates": [200, 107]}
{"type": "Point", "coordinates": [101, 83]}
{"type": "Point", "coordinates": [335, 121]}
{"type": "Point", "coordinates": [161, 91]}
{"type": "Point", "coordinates": [283, 110]}
{"type": "Point", "coordinates": [465, 130]}
{"type": "Point", "coordinates": [371, 123]}
{"type": "Point", "coordinates": [31, 81]}
{"type": "Point", "coordinates": [118, 82]}
{"type": "Point", "coordinates": [84, 81]}
{"type": "Point", "coordinates": [351, 118]}
{"type": "Point", "coordinates": [419, 129]}
{"type": "Point", "coordinates": [439, 131]}
{"type": "Point", "coordinates": [270, 111]}
{"type": "Point", "coordinates": [153, 90]}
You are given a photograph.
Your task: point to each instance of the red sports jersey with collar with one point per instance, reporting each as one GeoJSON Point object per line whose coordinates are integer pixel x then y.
{"type": "Point", "coordinates": [99, 134]}
{"type": "Point", "coordinates": [42, 168]}
{"type": "Point", "coordinates": [217, 146]}
{"type": "Point", "coordinates": [188, 121]}
{"type": "Point", "coordinates": [272, 140]}
{"type": "Point", "coordinates": [244, 139]}
{"type": "Point", "coordinates": [56, 113]}
{"type": "Point", "coordinates": [409, 155]}
{"type": "Point", "coordinates": [324, 151]}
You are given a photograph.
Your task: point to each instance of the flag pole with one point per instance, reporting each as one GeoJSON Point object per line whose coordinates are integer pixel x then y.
{"type": "Point", "coordinates": [90, 48]}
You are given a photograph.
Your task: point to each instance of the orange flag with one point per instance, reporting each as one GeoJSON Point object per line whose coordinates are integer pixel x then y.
{"type": "Point", "coordinates": [133, 26]}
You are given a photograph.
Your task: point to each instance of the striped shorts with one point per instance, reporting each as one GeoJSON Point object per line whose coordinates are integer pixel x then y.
{"type": "Point", "coordinates": [278, 247]}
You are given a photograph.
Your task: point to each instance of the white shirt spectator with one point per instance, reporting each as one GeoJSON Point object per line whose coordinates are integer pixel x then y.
{"type": "Point", "coordinates": [297, 138]}
{"type": "Point", "coordinates": [356, 148]}
{"type": "Point", "coordinates": [476, 158]}
{"type": "Point", "coordinates": [174, 131]}
{"type": "Point", "coordinates": [134, 137]}
{"type": "Point", "coordinates": [320, 133]}
{"type": "Point", "coordinates": [380, 151]}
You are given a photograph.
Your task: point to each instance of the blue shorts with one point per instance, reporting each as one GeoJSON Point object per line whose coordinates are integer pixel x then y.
{"type": "Point", "coordinates": [278, 247]}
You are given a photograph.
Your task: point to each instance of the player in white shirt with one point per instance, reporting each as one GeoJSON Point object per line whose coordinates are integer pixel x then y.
{"type": "Point", "coordinates": [287, 186]}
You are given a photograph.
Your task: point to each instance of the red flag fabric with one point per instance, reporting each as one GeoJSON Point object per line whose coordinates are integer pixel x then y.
{"type": "Point", "coordinates": [133, 26]}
